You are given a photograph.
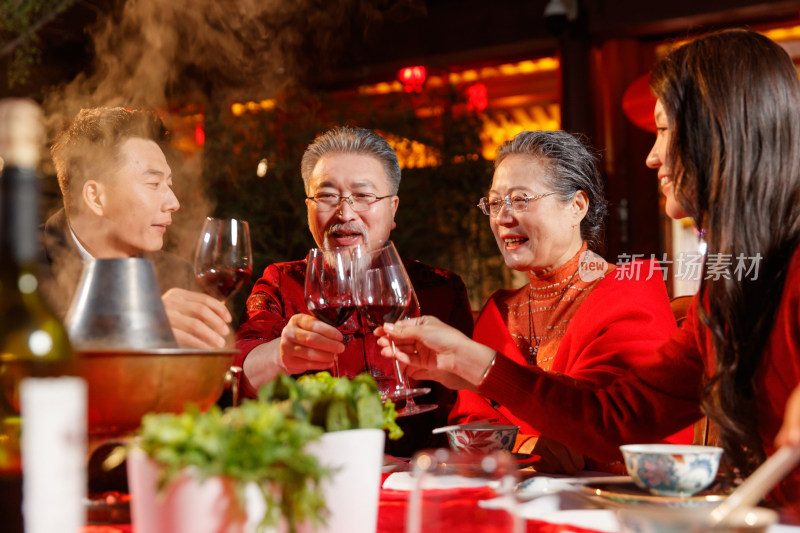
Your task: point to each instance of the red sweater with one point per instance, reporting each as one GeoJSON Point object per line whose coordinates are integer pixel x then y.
{"type": "Point", "coordinates": [581, 402]}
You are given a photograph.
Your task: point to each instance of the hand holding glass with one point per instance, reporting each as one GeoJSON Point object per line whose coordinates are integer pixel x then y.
{"type": "Point", "coordinates": [411, 407]}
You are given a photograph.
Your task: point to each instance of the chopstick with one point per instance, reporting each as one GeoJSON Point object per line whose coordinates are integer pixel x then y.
{"type": "Point", "coordinates": [580, 480]}
{"type": "Point", "coordinates": [444, 429]}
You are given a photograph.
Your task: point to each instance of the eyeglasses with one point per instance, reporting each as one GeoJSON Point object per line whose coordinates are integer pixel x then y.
{"type": "Point", "coordinates": [359, 201]}
{"type": "Point", "coordinates": [516, 203]}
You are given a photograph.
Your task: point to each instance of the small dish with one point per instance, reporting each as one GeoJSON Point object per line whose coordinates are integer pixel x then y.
{"type": "Point", "coordinates": [481, 437]}
{"type": "Point", "coordinates": [626, 494]}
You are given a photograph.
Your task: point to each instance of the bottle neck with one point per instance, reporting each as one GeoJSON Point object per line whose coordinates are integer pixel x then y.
{"type": "Point", "coordinates": [19, 215]}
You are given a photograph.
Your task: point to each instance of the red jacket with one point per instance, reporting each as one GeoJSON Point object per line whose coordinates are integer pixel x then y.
{"type": "Point", "coordinates": [582, 403]}
{"type": "Point", "coordinates": [279, 295]}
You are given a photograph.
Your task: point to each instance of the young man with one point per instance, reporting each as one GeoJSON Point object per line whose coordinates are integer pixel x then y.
{"type": "Point", "coordinates": [118, 202]}
{"type": "Point", "coordinates": [351, 178]}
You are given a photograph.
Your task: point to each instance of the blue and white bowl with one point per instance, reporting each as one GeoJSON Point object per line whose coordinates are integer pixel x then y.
{"type": "Point", "coordinates": [672, 469]}
{"type": "Point", "coordinates": [482, 437]}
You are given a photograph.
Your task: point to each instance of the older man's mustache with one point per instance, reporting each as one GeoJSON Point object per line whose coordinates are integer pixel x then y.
{"type": "Point", "coordinates": [345, 229]}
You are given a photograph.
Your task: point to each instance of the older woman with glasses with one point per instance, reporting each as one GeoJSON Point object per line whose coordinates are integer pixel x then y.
{"type": "Point", "coordinates": [578, 316]}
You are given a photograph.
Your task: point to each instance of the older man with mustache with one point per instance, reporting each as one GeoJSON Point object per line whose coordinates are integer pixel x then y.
{"type": "Point", "coordinates": [351, 178]}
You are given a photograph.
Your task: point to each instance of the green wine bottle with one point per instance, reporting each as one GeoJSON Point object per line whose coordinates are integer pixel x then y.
{"type": "Point", "coordinates": [42, 405]}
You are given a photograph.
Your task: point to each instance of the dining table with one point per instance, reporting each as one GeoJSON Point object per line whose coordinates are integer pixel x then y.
{"type": "Point", "coordinates": [545, 503]}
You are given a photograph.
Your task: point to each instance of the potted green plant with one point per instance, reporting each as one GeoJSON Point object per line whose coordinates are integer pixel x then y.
{"type": "Point", "coordinates": [272, 462]}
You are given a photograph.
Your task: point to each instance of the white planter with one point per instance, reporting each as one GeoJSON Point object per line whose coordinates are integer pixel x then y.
{"type": "Point", "coordinates": [352, 494]}
{"type": "Point", "coordinates": [189, 506]}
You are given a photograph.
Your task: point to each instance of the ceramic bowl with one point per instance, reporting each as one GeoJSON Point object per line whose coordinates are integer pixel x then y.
{"type": "Point", "coordinates": [648, 519]}
{"type": "Point", "coordinates": [671, 469]}
{"type": "Point", "coordinates": [481, 437]}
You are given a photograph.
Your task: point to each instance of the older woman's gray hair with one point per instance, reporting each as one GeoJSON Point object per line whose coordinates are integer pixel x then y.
{"type": "Point", "coordinates": [571, 168]}
{"type": "Point", "coordinates": [348, 140]}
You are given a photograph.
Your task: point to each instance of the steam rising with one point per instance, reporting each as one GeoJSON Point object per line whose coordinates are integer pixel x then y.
{"type": "Point", "coordinates": [157, 51]}
{"type": "Point", "coordinates": [202, 54]}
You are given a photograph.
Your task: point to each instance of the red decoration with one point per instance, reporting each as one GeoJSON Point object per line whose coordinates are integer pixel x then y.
{"type": "Point", "coordinates": [413, 78]}
{"type": "Point", "coordinates": [199, 134]}
{"type": "Point", "coordinates": [477, 97]}
{"type": "Point", "coordinates": [638, 102]}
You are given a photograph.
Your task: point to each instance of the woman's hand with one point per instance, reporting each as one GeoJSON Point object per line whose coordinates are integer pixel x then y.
{"type": "Point", "coordinates": [555, 458]}
{"type": "Point", "coordinates": [789, 434]}
{"type": "Point", "coordinates": [433, 350]}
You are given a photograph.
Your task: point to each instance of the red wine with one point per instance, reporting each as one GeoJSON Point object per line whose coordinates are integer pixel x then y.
{"type": "Point", "coordinates": [335, 315]}
{"type": "Point", "coordinates": [377, 315]}
{"type": "Point", "coordinates": [224, 283]}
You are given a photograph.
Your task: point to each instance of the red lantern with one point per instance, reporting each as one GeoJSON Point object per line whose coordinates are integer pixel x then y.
{"type": "Point", "coordinates": [413, 78]}
{"type": "Point", "coordinates": [477, 97]}
{"type": "Point", "coordinates": [638, 103]}
{"type": "Point", "coordinates": [199, 134]}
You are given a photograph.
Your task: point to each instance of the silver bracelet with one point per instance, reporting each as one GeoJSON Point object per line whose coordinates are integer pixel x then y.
{"type": "Point", "coordinates": [488, 369]}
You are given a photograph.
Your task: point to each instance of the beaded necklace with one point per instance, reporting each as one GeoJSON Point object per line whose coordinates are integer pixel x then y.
{"type": "Point", "coordinates": [532, 337]}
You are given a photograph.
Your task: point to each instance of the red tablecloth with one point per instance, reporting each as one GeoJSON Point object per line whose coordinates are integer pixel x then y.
{"type": "Point", "coordinates": [456, 512]}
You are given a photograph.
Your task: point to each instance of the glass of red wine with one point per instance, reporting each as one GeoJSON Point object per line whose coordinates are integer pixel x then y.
{"type": "Point", "coordinates": [383, 293]}
{"type": "Point", "coordinates": [223, 260]}
{"type": "Point", "coordinates": [329, 287]}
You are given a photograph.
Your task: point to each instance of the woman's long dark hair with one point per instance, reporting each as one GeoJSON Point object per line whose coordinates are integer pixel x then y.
{"type": "Point", "coordinates": [733, 101]}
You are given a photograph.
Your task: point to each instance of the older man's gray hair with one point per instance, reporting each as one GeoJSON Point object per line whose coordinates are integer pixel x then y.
{"type": "Point", "coordinates": [348, 140]}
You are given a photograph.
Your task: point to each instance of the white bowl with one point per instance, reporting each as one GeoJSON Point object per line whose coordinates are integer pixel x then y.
{"type": "Point", "coordinates": [481, 437]}
{"type": "Point", "coordinates": [671, 469]}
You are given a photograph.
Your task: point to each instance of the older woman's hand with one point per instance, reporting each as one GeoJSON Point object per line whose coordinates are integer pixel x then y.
{"type": "Point", "coordinates": [433, 350]}
{"type": "Point", "coordinates": [555, 458]}
{"type": "Point", "coordinates": [789, 434]}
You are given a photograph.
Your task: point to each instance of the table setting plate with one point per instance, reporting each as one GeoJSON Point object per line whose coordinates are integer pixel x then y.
{"type": "Point", "coordinates": [626, 494]}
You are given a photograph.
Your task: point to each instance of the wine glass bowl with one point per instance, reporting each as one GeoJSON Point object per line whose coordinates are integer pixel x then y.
{"type": "Point", "coordinates": [384, 293]}
{"type": "Point", "coordinates": [329, 287]}
{"type": "Point", "coordinates": [382, 298]}
{"type": "Point", "coordinates": [223, 258]}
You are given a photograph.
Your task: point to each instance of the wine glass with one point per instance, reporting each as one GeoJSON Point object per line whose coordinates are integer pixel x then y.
{"type": "Point", "coordinates": [383, 293]}
{"type": "Point", "coordinates": [329, 288]}
{"type": "Point", "coordinates": [457, 491]}
{"type": "Point", "coordinates": [411, 407]}
{"type": "Point", "coordinates": [223, 260]}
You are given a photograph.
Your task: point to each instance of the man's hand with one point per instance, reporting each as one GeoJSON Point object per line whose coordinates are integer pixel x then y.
{"type": "Point", "coordinates": [305, 344]}
{"type": "Point", "coordinates": [308, 344]}
{"type": "Point", "coordinates": [197, 319]}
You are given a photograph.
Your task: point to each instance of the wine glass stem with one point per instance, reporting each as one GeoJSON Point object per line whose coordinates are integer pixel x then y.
{"type": "Point", "coordinates": [401, 380]}
{"type": "Point", "coordinates": [336, 365]}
